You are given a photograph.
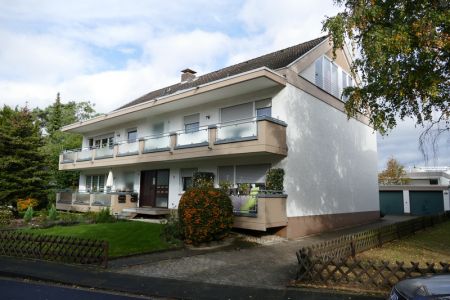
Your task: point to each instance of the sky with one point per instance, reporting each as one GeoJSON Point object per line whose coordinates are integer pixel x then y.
{"type": "Point", "coordinates": [111, 52]}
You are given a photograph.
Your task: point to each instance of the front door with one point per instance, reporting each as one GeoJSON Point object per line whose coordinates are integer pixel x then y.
{"type": "Point", "coordinates": [154, 188]}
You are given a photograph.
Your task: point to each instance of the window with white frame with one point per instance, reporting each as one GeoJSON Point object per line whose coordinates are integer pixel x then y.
{"type": "Point", "coordinates": [101, 141]}
{"type": "Point", "coordinates": [132, 135]}
{"type": "Point", "coordinates": [95, 183]}
{"type": "Point", "coordinates": [192, 123]}
{"type": "Point", "coordinates": [331, 77]}
{"type": "Point", "coordinates": [186, 176]}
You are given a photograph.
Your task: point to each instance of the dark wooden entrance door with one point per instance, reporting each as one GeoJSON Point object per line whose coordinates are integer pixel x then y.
{"type": "Point", "coordinates": [148, 188]}
{"type": "Point", "coordinates": [154, 188]}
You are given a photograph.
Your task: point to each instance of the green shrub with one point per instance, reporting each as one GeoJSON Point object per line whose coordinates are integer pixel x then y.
{"type": "Point", "coordinates": [6, 216]}
{"type": "Point", "coordinates": [274, 180]}
{"type": "Point", "coordinates": [67, 217]}
{"type": "Point", "coordinates": [171, 231]}
{"type": "Point", "coordinates": [225, 186]}
{"type": "Point", "coordinates": [205, 214]}
{"type": "Point", "coordinates": [52, 213]}
{"type": "Point", "coordinates": [28, 214]}
{"type": "Point", "coordinates": [203, 180]}
{"type": "Point", "coordinates": [104, 216]}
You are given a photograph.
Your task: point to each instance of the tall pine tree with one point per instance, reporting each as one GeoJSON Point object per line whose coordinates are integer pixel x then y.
{"type": "Point", "coordinates": [23, 169]}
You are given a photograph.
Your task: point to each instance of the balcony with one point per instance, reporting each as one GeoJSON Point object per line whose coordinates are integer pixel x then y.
{"type": "Point", "coordinates": [268, 210]}
{"type": "Point", "coordinates": [263, 135]}
{"type": "Point", "coordinates": [86, 201]}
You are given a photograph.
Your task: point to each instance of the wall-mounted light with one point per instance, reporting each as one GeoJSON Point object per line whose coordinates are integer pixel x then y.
{"type": "Point", "coordinates": [207, 117]}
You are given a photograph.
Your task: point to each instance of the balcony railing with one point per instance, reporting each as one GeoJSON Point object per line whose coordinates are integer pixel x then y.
{"type": "Point", "coordinates": [105, 152]}
{"type": "Point", "coordinates": [236, 131]}
{"type": "Point", "coordinates": [84, 154]}
{"type": "Point", "coordinates": [191, 138]}
{"type": "Point", "coordinates": [156, 143]}
{"type": "Point", "coordinates": [269, 133]}
{"type": "Point", "coordinates": [125, 148]}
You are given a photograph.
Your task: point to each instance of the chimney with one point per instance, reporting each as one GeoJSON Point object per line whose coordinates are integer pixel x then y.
{"type": "Point", "coordinates": [187, 75]}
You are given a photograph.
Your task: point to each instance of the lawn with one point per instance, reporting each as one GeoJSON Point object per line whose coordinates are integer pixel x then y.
{"type": "Point", "coordinates": [432, 244]}
{"type": "Point", "coordinates": [124, 237]}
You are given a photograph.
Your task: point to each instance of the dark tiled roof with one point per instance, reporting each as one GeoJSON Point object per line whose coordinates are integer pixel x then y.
{"type": "Point", "coordinates": [274, 60]}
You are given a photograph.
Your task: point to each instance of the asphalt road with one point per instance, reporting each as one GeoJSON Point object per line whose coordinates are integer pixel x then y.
{"type": "Point", "coordinates": [23, 290]}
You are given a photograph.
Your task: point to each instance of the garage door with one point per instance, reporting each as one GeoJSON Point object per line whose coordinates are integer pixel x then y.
{"type": "Point", "coordinates": [391, 203]}
{"type": "Point", "coordinates": [426, 203]}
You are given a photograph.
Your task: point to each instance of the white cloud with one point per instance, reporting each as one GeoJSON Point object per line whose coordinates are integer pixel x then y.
{"type": "Point", "coordinates": [41, 58]}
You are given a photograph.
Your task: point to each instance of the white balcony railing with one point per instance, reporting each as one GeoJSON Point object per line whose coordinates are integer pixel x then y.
{"type": "Point", "coordinates": [104, 152]}
{"type": "Point", "coordinates": [236, 131]}
{"type": "Point", "coordinates": [69, 156]}
{"type": "Point", "coordinates": [192, 137]}
{"type": "Point", "coordinates": [128, 148]}
{"type": "Point", "coordinates": [84, 154]}
{"type": "Point", "coordinates": [156, 143]}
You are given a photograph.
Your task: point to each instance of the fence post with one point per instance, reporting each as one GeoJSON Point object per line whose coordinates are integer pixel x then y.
{"type": "Point", "coordinates": [105, 254]}
{"type": "Point", "coordinates": [352, 247]}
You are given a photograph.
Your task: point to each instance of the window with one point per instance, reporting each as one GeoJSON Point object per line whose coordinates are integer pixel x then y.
{"type": "Point", "coordinates": [95, 183]}
{"type": "Point", "coordinates": [433, 181]}
{"type": "Point", "coordinates": [252, 174]}
{"type": "Point", "coordinates": [263, 108]}
{"type": "Point", "coordinates": [236, 112]}
{"type": "Point", "coordinates": [101, 142]}
{"type": "Point", "coordinates": [129, 181]}
{"type": "Point", "coordinates": [192, 123]}
{"type": "Point", "coordinates": [186, 176]}
{"type": "Point", "coordinates": [132, 135]}
{"type": "Point", "coordinates": [331, 78]}
{"type": "Point", "coordinates": [158, 128]}
{"type": "Point", "coordinates": [226, 174]}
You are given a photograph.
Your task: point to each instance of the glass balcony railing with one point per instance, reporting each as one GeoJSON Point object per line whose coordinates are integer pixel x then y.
{"type": "Point", "coordinates": [84, 154]}
{"type": "Point", "coordinates": [192, 137]}
{"type": "Point", "coordinates": [69, 156]}
{"type": "Point", "coordinates": [236, 131]}
{"type": "Point", "coordinates": [128, 148]}
{"type": "Point", "coordinates": [156, 143]}
{"type": "Point", "coordinates": [104, 152]}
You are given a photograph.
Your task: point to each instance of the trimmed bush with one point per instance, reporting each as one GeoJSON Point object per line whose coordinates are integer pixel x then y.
{"type": "Point", "coordinates": [274, 180]}
{"type": "Point", "coordinates": [52, 214]}
{"type": "Point", "coordinates": [6, 216]}
{"type": "Point", "coordinates": [28, 214]}
{"type": "Point", "coordinates": [205, 214]}
{"type": "Point", "coordinates": [203, 180]}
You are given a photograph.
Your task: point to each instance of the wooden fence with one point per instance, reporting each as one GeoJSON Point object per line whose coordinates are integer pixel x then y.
{"type": "Point", "coordinates": [333, 261]}
{"type": "Point", "coordinates": [55, 248]}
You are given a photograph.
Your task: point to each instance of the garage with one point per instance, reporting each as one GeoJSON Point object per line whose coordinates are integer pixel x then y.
{"type": "Point", "coordinates": [391, 203]}
{"type": "Point", "coordinates": [426, 202]}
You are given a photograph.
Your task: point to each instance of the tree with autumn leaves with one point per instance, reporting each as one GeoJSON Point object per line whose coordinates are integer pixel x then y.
{"type": "Point", "coordinates": [402, 49]}
{"type": "Point", "coordinates": [394, 174]}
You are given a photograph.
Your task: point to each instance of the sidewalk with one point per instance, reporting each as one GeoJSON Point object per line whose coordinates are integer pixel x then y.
{"type": "Point", "coordinates": [262, 266]}
{"type": "Point", "coordinates": [150, 286]}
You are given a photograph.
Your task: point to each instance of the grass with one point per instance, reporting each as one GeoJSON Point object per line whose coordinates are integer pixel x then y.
{"type": "Point", "coordinates": [124, 237]}
{"type": "Point", "coordinates": [430, 245]}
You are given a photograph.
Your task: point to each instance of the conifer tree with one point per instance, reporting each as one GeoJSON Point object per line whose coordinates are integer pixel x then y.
{"type": "Point", "coordinates": [23, 170]}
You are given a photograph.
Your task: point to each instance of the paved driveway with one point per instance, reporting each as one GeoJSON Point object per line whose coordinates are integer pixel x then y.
{"type": "Point", "coordinates": [270, 265]}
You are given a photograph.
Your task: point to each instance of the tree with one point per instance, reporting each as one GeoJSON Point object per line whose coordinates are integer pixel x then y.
{"type": "Point", "coordinates": [393, 174]}
{"type": "Point", "coordinates": [23, 168]}
{"type": "Point", "coordinates": [52, 119]}
{"type": "Point", "coordinates": [403, 60]}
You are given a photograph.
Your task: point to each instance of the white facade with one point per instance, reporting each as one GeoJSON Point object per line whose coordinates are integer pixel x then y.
{"type": "Point", "coordinates": [326, 152]}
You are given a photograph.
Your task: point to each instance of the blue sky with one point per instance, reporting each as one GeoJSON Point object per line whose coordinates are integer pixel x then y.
{"type": "Point", "coordinates": [110, 52]}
